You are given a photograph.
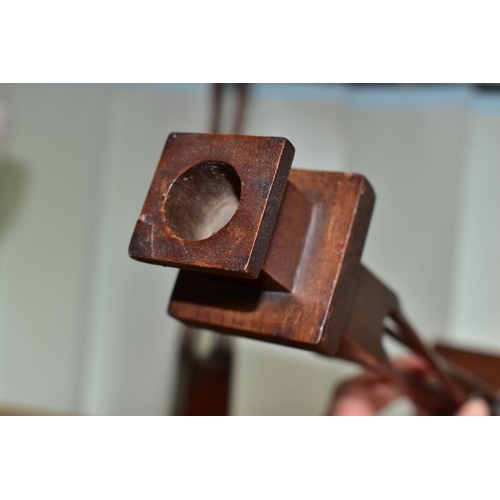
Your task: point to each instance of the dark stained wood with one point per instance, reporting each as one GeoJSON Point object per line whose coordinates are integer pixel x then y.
{"type": "Point", "coordinates": [218, 91]}
{"type": "Point", "coordinates": [239, 248]}
{"type": "Point", "coordinates": [313, 316]}
{"type": "Point", "coordinates": [282, 261]}
{"type": "Point", "coordinates": [203, 200]}
{"type": "Point", "coordinates": [279, 260]}
{"type": "Point", "coordinates": [215, 120]}
{"type": "Point", "coordinates": [204, 381]}
{"type": "Point", "coordinates": [373, 302]}
{"type": "Point", "coordinates": [480, 364]}
{"type": "Point", "coordinates": [285, 250]}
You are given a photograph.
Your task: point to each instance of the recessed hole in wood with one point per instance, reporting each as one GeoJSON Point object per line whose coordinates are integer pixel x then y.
{"type": "Point", "coordinates": [203, 200]}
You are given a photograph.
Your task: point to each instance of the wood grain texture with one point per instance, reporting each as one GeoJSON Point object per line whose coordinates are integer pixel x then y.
{"type": "Point", "coordinates": [314, 315]}
{"type": "Point", "coordinates": [284, 253]}
{"type": "Point", "coordinates": [372, 305]}
{"type": "Point", "coordinates": [297, 243]}
{"type": "Point", "coordinates": [282, 261]}
{"type": "Point", "coordinates": [239, 248]}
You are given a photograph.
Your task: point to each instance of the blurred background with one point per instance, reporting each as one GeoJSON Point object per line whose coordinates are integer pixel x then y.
{"type": "Point", "coordinates": [83, 328]}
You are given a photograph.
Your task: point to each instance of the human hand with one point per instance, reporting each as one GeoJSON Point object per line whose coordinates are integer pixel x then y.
{"type": "Point", "coordinates": [371, 392]}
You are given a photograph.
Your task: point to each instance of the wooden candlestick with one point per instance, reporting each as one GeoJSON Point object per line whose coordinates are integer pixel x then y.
{"type": "Point", "coordinates": [274, 254]}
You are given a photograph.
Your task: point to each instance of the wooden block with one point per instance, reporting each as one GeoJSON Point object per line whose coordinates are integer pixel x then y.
{"type": "Point", "coordinates": [279, 260]}
{"type": "Point", "coordinates": [314, 315]}
{"type": "Point", "coordinates": [187, 220]}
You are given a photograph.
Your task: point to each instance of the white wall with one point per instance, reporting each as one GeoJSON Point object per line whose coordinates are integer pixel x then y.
{"type": "Point", "coordinates": [475, 315]}
{"type": "Point", "coordinates": [83, 327]}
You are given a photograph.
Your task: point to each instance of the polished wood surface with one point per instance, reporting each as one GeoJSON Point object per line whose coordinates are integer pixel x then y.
{"type": "Point", "coordinates": [262, 165]}
{"type": "Point", "coordinates": [314, 315]}
{"type": "Point", "coordinates": [204, 378]}
{"type": "Point", "coordinates": [275, 255]}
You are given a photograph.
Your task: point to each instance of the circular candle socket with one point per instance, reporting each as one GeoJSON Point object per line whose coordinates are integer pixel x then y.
{"type": "Point", "coordinates": [203, 200]}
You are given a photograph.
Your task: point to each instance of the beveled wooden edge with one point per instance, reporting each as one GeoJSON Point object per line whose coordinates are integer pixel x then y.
{"type": "Point", "coordinates": [239, 248]}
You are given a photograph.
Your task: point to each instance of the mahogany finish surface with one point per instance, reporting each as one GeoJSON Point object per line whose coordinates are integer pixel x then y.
{"type": "Point", "coordinates": [279, 260]}
{"type": "Point", "coordinates": [482, 365]}
{"type": "Point", "coordinates": [282, 261]}
{"type": "Point", "coordinates": [314, 315]}
{"type": "Point", "coordinates": [203, 381]}
{"type": "Point", "coordinates": [262, 165]}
